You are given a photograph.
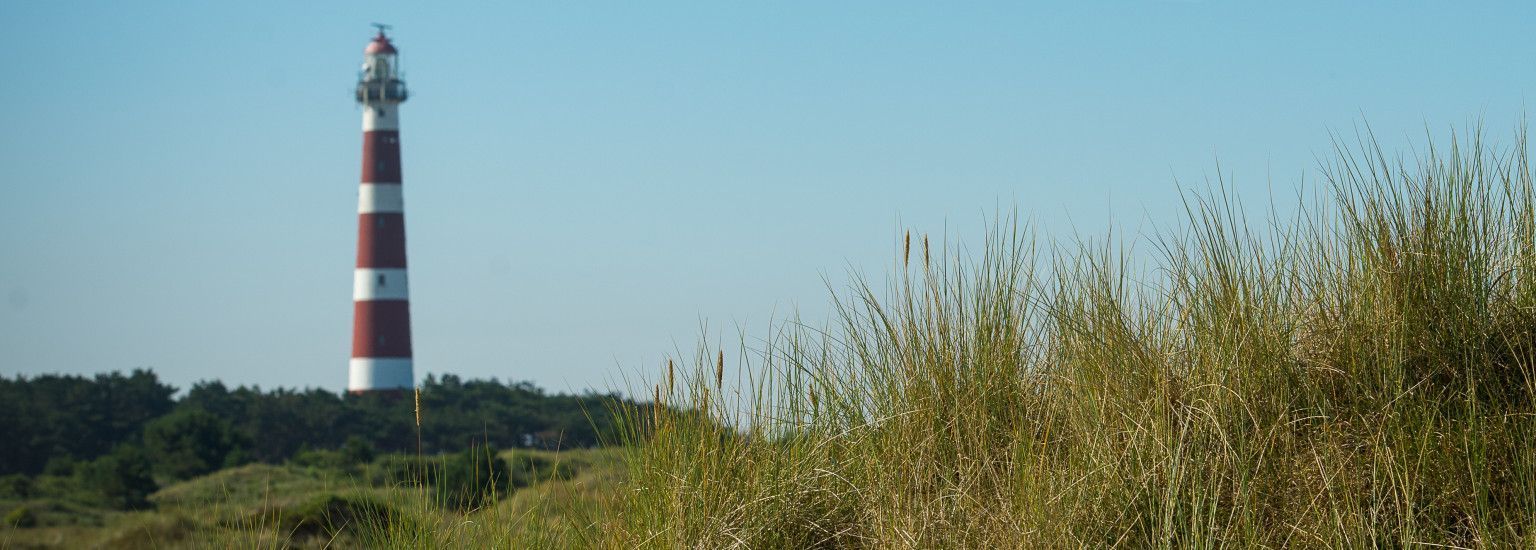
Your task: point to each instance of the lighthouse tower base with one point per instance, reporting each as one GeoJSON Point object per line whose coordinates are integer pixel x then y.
{"type": "Point", "coordinates": [376, 373]}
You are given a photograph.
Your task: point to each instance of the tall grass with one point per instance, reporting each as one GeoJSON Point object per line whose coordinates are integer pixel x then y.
{"type": "Point", "coordinates": [1362, 374]}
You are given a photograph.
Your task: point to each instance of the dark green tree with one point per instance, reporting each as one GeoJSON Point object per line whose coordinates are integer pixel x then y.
{"type": "Point", "coordinates": [75, 416]}
{"type": "Point", "coordinates": [357, 451]}
{"type": "Point", "coordinates": [189, 443]}
{"type": "Point", "coordinates": [75, 419]}
{"type": "Point", "coordinates": [121, 480]}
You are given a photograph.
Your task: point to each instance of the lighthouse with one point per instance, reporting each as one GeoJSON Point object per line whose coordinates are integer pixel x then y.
{"type": "Point", "coordinates": [381, 311]}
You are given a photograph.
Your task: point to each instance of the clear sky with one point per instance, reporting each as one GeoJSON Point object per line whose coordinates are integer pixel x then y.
{"type": "Point", "coordinates": [586, 184]}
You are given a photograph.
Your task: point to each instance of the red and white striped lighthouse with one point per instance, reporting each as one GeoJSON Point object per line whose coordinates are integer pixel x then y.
{"type": "Point", "coordinates": [381, 311]}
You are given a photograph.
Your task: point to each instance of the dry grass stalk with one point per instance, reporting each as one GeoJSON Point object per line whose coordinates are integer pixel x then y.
{"type": "Point", "coordinates": [906, 249]}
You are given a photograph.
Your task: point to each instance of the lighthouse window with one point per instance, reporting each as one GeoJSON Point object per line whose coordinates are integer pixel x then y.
{"type": "Point", "coordinates": [379, 221]}
{"type": "Point", "coordinates": [380, 111]}
{"type": "Point", "coordinates": [381, 279]}
{"type": "Point", "coordinates": [381, 339]}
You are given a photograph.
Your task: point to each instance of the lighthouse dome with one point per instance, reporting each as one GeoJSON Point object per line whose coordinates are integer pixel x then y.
{"type": "Point", "coordinates": [380, 45]}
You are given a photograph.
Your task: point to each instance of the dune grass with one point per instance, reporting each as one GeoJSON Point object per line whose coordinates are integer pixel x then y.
{"type": "Point", "coordinates": [559, 508]}
{"type": "Point", "coordinates": [552, 502]}
{"type": "Point", "coordinates": [1362, 374]}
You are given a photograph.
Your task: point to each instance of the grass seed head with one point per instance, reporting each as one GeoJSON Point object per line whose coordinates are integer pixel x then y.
{"type": "Point", "coordinates": [925, 252]}
{"type": "Point", "coordinates": [906, 250]}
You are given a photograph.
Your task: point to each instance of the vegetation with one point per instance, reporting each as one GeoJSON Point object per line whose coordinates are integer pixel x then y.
{"type": "Point", "coordinates": [75, 417]}
{"type": "Point", "coordinates": [21, 517]}
{"type": "Point", "coordinates": [1361, 376]}
{"type": "Point", "coordinates": [355, 505]}
{"type": "Point", "coordinates": [191, 442]}
{"type": "Point", "coordinates": [473, 478]}
{"type": "Point", "coordinates": [112, 440]}
{"type": "Point", "coordinates": [120, 480]}
{"type": "Point", "coordinates": [338, 469]}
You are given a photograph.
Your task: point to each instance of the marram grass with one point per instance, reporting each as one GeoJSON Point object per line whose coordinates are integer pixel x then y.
{"type": "Point", "coordinates": [1360, 375]}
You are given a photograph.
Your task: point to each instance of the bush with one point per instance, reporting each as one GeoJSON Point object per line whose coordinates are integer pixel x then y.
{"type": "Point", "coordinates": [329, 514]}
{"type": "Point", "coordinates": [398, 469]}
{"type": "Point", "coordinates": [119, 480]}
{"type": "Point", "coordinates": [21, 517]}
{"type": "Point", "coordinates": [357, 450]}
{"type": "Point", "coordinates": [16, 486]}
{"type": "Point", "coordinates": [319, 458]}
{"type": "Point", "coordinates": [61, 466]}
{"type": "Point", "coordinates": [473, 478]}
{"type": "Point", "coordinates": [528, 469]}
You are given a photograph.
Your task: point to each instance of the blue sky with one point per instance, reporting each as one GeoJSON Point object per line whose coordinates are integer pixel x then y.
{"type": "Point", "coordinates": [588, 184]}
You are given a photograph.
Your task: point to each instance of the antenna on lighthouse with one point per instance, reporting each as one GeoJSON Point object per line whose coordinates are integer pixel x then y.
{"type": "Point", "coordinates": [382, 27]}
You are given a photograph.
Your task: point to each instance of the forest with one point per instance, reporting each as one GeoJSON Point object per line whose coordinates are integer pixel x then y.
{"type": "Point", "coordinates": [115, 429]}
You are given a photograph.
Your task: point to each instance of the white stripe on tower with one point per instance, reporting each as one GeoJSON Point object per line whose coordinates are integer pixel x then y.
{"type": "Point", "coordinates": [371, 283]}
{"type": "Point", "coordinates": [381, 316]}
{"type": "Point", "coordinates": [379, 372]}
{"type": "Point", "coordinates": [381, 117]}
{"type": "Point", "coordinates": [380, 198]}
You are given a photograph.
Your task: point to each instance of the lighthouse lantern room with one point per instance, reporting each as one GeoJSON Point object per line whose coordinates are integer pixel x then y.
{"type": "Point", "coordinates": [379, 80]}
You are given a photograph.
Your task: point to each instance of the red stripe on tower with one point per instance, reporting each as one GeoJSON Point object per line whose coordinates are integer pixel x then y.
{"type": "Point", "coordinates": [381, 312]}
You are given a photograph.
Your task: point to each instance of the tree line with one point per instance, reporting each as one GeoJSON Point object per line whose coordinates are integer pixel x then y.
{"type": "Point", "coordinates": [115, 421]}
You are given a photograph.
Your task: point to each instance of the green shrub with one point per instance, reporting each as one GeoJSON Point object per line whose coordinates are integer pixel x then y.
{"type": "Point", "coordinates": [16, 486]}
{"type": "Point", "coordinates": [120, 480]}
{"type": "Point", "coordinates": [398, 469]}
{"type": "Point", "coordinates": [21, 517]}
{"type": "Point", "coordinates": [60, 466]}
{"type": "Point", "coordinates": [357, 450]}
{"type": "Point", "coordinates": [528, 469]}
{"type": "Point", "coordinates": [328, 514]}
{"type": "Point", "coordinates": [56, 486]}
{"type": "Point", "coordinates": [473, 478]}
{"type": "Point", "coordinates": [319, 458]}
